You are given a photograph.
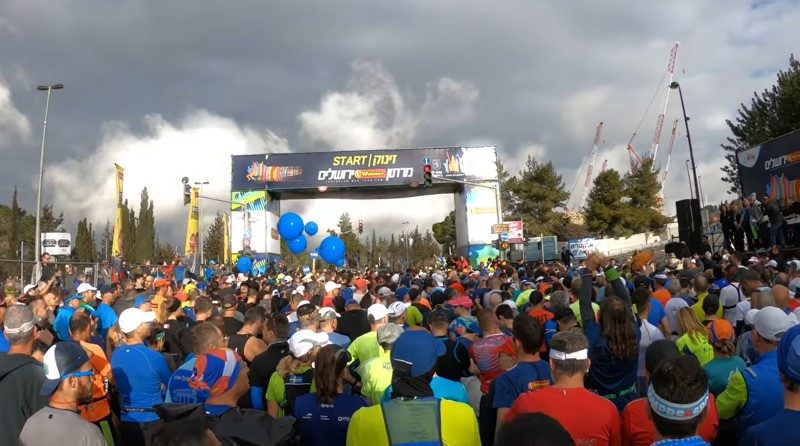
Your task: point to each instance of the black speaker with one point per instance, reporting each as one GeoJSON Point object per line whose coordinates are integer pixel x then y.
{"type": "Point", "coordinates": [679, 249]}
{"type": "Point", "coordinates": [690, 225]}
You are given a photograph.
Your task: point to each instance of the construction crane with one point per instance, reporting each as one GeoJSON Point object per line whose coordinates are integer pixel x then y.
{"type": "Point", "coordinates": [669, 156]}
{"type": "Point", "coordinates": [604, 167]}
{"type": "Point", "coordinates": [633, 156]}
{"type": "Point", "coordinates": [588, 181]}
{"type": "Point", "coordinates": [673, 55]}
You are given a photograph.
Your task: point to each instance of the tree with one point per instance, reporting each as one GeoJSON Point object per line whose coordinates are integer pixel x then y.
{"type": "Point", "coordinates": [163, 252]}
{"type": "Point", "coordinates": [144, 244]}
{"type": "Point", "coordinates": [445, 233]}
{"type": "Point", "coordinates": [84, 243]}
{"type": "Point", "coordinates": [351, 243]}
{"type": "Point", "coordinates": [605, 211]}
{"type": "Point", "coordinates": [214, 239]}
{"type": "Point", "coordinates": [772, 113]}
{"type": "Point", "coordinates": [535, 195]}
{"type": "Point", "coordinates": [105, 243]}
{"type": "Point", "coordinates": [14, 227]}
{"type": "Point", "coordinates": [504, 179]}
{"type": "Point", "coordinates": [642, 189]}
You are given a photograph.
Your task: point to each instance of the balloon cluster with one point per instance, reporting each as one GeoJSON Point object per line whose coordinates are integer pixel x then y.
{"type": "Point", "coordinates": [291, 228]}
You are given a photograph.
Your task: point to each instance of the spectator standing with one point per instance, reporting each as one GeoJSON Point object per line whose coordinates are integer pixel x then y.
{"type": "Point", "coordinates": [21, 377]}
{"type": "Point", "coordinates": [354, 321]}
{"type": "Point", "coordinates": [205, 336]}
{"type": "Point", "coordinates": [68, 384]}
{"type": "Point", "coordinates": [376, 374]}
{"type": "Point", "coordinates": [276, 329]}
{"type": "Point", "coordinates": [328, 323]}
{"type": "Point", "coordinates": [366, 347]}
{"type": "Point", "coordinates": [141, 375]}
{"type": "Point", "coordinates": [294, 374]}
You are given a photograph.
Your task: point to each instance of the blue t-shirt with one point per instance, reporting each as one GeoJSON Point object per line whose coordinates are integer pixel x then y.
{"type": "Point", "coordinates": [4, 345]}
{"type": "Point", "coordinates": [779, 430]}
{"type": "Point", "coordinates": [178, 389]}
{"type": "Point", "coordinates": [139, 373]}
{"type": "Point", "coordinates": [61, 323]}
{"type": "Point", "coordinates": [106, 318]}
{"type": "Point", "coordinates": [443, 389]}
{"type": "Point", "coordinates": [550, 330]}
{"type": "Point", "coordinates": [523, 377]}
{"type": "Point", "coordinates": [325, 424]}
{"type": "Point", "coordinates": [339, 339]}
{"type": "Point", "coordinates": [656, 312]}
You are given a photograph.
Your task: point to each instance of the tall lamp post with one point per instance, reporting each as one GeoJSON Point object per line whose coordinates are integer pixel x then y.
{"type": "Point", "coordinates": [200, 185]}
{"type": "Point", "coordinates": [37, 238]}
{"type": "Point", "coordinates": [675, 85]}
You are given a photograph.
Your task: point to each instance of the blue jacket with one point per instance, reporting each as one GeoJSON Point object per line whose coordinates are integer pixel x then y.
{"type": "Point", "coordinates": [764, 391]}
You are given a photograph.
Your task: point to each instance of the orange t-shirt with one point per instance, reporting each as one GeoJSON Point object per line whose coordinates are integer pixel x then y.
{"type": "Point", "coordinates": [99, 407]}
{"type": "Point", "coordinates": [638, 429]}
{"type": "Point", "coordinates": [602, 428]}
{"type": "Point", "coordinates": [662, 295]}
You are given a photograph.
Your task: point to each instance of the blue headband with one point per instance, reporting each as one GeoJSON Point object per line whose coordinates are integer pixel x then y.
{"type": "Point", "coordinates": [675, 411]}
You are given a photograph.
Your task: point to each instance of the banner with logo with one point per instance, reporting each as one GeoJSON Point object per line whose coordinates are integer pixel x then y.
{"type": "Point", "coordinates": [193, 224]}
{"type": "Point", "coordinates": [117, 242]}
{"type": "Point", "coordinates": [515, 233]}
{"type": "Point", "coordinates": [581, 248]}
{"type": "Point", "coordinates": [772, 168]}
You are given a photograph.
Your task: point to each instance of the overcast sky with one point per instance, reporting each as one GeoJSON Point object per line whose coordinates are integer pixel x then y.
{"type": "Point", "coordinates": [169, 89]}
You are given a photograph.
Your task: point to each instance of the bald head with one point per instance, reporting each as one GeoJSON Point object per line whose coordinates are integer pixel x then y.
{"type": "Point", "coordinates": [781, 295]}
{"type": "Point", "coordinates": [700, 284]}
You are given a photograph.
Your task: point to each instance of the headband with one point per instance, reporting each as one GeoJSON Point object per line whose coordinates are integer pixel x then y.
{"type": "Point", "coordinates": [675, 411]}
{"type": "Point", "coordinates": [561, 356]}
{"type": "Point", "coordinates": [24, 328]}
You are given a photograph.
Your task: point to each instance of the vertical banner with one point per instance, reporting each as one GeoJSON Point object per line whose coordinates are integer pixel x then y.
{"type": "Point", "coordinates": [226, 238]}
{"type": "Point", "coordinates": [117, 242]}
{"type": "Point", "coordinates": [193, 224]}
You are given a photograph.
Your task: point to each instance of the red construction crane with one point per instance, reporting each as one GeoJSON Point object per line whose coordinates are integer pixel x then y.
{"type": "Point", "coordinates": [673, 55]}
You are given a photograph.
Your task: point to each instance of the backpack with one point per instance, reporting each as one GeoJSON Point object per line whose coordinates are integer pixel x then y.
{"type": "Point", "coordinates": [296, 385]}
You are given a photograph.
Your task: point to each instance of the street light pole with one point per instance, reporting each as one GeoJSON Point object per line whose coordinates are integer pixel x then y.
{"type": "Point", "coordinates": [675, 85]}
{"type": "Point", "coordinates": [200, 185]}
{"type": "Point", "coordinates": [689, 174]}
{"type": "Point", "coordinates": [37, 235]}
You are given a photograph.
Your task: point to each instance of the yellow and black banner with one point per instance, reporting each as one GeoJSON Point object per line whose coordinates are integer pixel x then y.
{"type": "Point", "coordinates": [117, 243]}
{"type": "Point", "coordinates": [193, 224]}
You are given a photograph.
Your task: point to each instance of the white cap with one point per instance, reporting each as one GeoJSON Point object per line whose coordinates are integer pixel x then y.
{"type": "Point", "coordinates": [287, 279]}
{"type": "Point", "coordinates": [772, 264]}
{"type": "Point", "coordinates": [771, 323]}
{"type": "Point", "coordinates": [397, 308]}
{"type": "Point", "coordinates": [661, 277]}
{"type": "Point", "coordinates": [384, 291]}
{"type": "Point", "coordinates": [395, 278]}
{"type": "Point", "coordinates": [331, 285]}
{"type": "Point", "coordinates": [753, 259]}
{"type": "Point", "coordinates": [510, 303]}
{"type": "Point", "coordinates": [230, 279]}
{"type": "Point", "coordinates": [377, 311]}
{"type": "Point", "coordinates": [27, 288]}
{"type": "Point", "coordinates": [241, 277]}
{"type": "Point", "coordinates": [748, 317]}
{"type": "Point", "coordinates": [299, 290]}
{"type": "Point", "coordinates": [325, 312]}
{"type": "Point", "coordinates": [132, 318]}
{"type": "Point", "coordinates": [84, 287]}
{"type": "Point", "coordinates": [302, 341]}
{"type": "Point", "coordinates": [794, 263]}
{"type": "Point", "coordinates": [303, 302]}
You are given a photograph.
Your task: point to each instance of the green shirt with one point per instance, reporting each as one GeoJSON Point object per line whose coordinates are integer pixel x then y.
{"type": "Point", "coordinates": [276, 389]}
{"type": "Point", "coordinates": [365, 347]}
{"type": "Point", "coordinates": [413, 316]}
{"type": "Point", "coordinates": [698, 308]}
{"type": "Point", "coordinates": [699, 347]}
{"type": "Point", "coordinates": [523, 297]}
{"type": "Point", "coordinates": [376, 376]}
{"type": "Point", "coordinates": [576, 308]}
{"type": "Point", "coordinates": [731, 401]}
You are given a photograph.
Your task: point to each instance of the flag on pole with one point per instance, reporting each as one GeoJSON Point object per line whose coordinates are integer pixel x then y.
{"type": "Point", "coordinates": [192, 248]}
{"type": "Point", "coordinates": [117, 242]}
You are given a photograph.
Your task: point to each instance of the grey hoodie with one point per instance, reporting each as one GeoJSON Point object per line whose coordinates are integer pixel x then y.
{"type": "Point", "coordinates": [21, 379]}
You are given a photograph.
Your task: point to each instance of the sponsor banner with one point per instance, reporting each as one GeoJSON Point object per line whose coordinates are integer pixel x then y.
{"type": "Point", "coordinates": [772, 168]}
{"type": "Point", "coordinates": [515, 232]}
{"type": "Point", "coordinates": [56, 243]}
{"type": "Point", "coordinates": [193, 224]}
{"type": "Point", "coordinates": [116, 243]}
{"type": "Point", "coordinates": [292, 171]}
{"type": "Point", "coordinates": [481, 207]}
{"type": "Point", "coordinates": [257, 231]}
{"type": "Point", "coordinates": [582, 247]}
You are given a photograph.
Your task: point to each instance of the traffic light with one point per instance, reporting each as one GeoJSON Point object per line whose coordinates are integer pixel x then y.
{"type": "Point", "coordinates": [504, 246]}
{"type": "Point", "coordinates": [187, 191]}
{"type": "Point", "coordinates": [427, 171]}
{"type": "Point", "coordinates": [360, 227]}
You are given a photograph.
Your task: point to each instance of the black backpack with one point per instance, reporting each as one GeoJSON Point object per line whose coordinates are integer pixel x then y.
{"type": "Point", "coordinates": [296, 385]}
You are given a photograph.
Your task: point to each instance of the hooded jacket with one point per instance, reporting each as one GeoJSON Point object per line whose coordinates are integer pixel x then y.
{"type": "Point", "coordinates": [21, 379]}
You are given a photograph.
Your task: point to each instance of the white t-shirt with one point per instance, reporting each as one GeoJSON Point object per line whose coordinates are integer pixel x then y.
{"type": "Point", "coordinates": [671, 308]}
{"type": "Point", "coordinates": [741, 310]}
{"type": "Point", "coordinates": [650, 334]}
{"type": "Point", "coordinates": [730, 296]}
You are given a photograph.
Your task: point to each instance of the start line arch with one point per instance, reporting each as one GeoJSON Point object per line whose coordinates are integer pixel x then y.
{"type": "Point", "coordinates": [261, 181]}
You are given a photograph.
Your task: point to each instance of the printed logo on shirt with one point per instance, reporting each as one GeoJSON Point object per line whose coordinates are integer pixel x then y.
{"type": "Point", "coordinates": [538, 384]}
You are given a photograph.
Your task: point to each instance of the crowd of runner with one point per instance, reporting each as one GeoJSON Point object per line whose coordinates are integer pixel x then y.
{"type": "Point", "coordinates": [636, 351]}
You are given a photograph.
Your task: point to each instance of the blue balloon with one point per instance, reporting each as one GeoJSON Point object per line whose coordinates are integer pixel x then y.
{"type": "Point", "coordinates": [340, 263]}
{"type": "Point", "coordinates": [297, 245]}
{"type": "Point", "coordinates": [311, 228]}
{"type": "Point", "coordinates": [290, 226]}
{"type": "Point", "coordinates": [332, 249]}
{"type": "Point", "coordinates": [244, 265]}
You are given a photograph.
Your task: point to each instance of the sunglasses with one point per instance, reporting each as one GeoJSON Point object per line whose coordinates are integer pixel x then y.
{"type": "Point", "coordinates": [79, 374]}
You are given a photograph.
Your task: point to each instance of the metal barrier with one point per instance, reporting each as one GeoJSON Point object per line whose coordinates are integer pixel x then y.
{"type": "Point", "coordinates": [629, 249]}
{"type": "Point", "coordinates": [21, 271]}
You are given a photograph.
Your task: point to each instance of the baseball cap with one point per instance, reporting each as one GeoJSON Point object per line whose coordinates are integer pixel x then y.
{"type": "Point", "coordinates": [302, 341]}
{"type": "Point", "coordinates": [327, 313]}
{"type": "Point", "coordinates": [661, 277]}
{"type": "Point", "coordinates": [72, 297]}
{"type": "Point", "coordinates": [229, 302]}
{"type": "Point", "coordinates": [401, 293]}
{"type": "Point", "coordinates": [415, 353]}
{"type": "Point", "coordinates": [84, 287]}
{"type": "Point", "coordinates": [461, 301]}
{"type": "Point", "coordinates": [720, 330]}
{"type": "Point", "coordinates": [215, 372]}
{"type": "Point", "coordinates": [789, 354]}
{"type": "Point", "coordinates": [361, 283]}
{"type": "Point", "coordinates": [377, 311]}
{"type": "Point", "coordinates": [61, 361]}
{"type": "Point", "coordinates": [140, 299]}
{"type": "Point", "coordinates": [794, 264]}
{"type": "Point", "coordinates": [384, 292]}
{"type": "Point", "coordinates": [397, 308]}
{"type": "Point", "coordinates": [132, 318]}
{"type": "Point", "coordinates": [158, 283]}
{"type": "Point", "coordinates": [27, 288]}
{"type": "Point", "coordinates": [748, 317]}
{"type": "Point", "coordinates": [331, 285]}
{"type": "Point", "coordinates": [771, 323]}
{"type": "Point", "coordinates": [772, 264]}
{"type": "Point", "coordinates": [389, 333]}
